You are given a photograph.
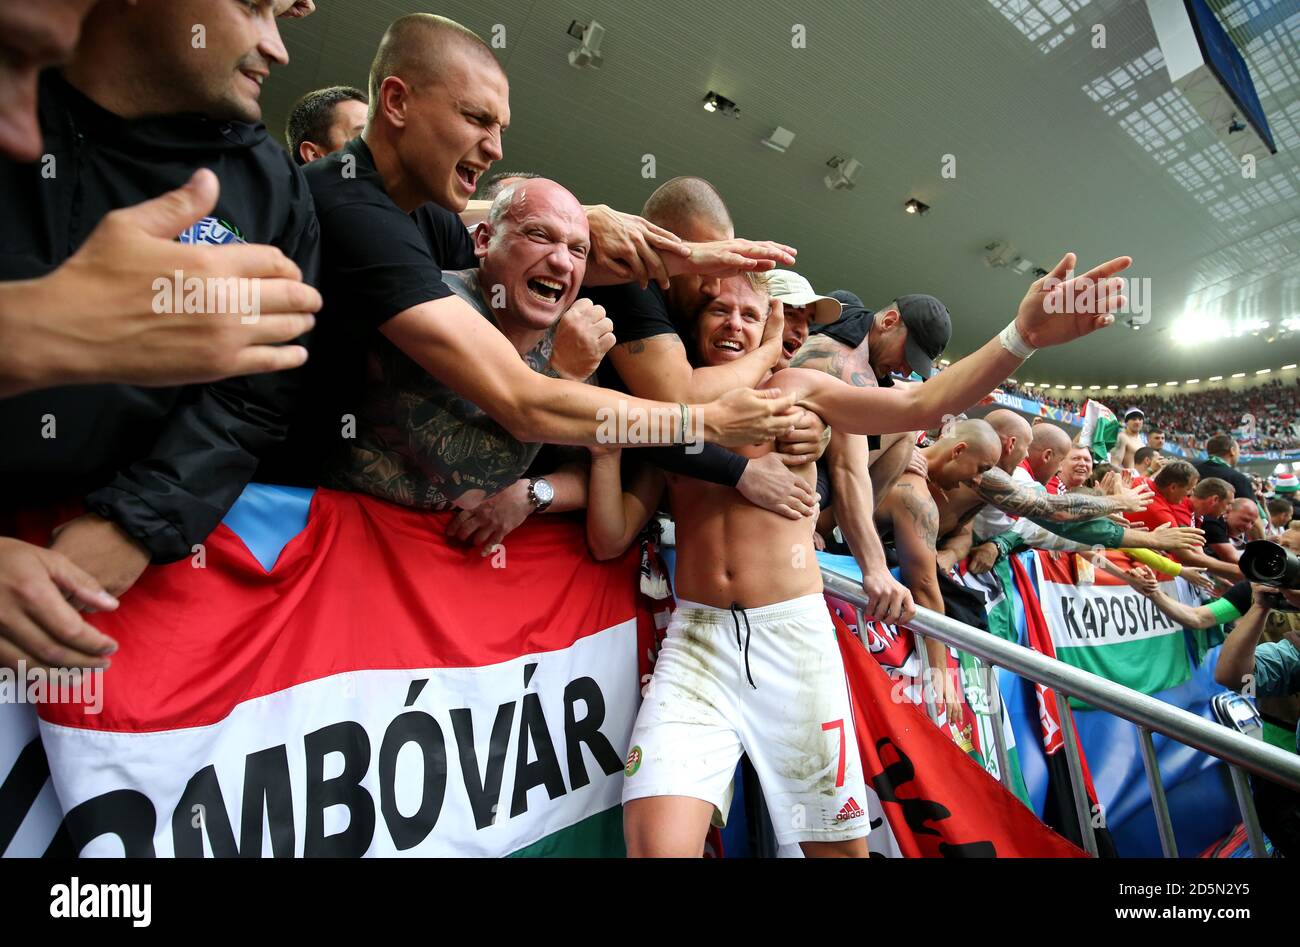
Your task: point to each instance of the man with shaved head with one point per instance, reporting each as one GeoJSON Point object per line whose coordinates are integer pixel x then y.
{"type": "Point", "coordinates": [653, 326]}
{"type": "Point", "coordinates": [909, 513]}
{"type": "Point", "coordinates": [422, 445]}
{"type": "Point", "coordinates": [650, 357]}
{"type": "Point", "coordinates": [1011, 501]}
{"type": "Point", "coordinates": [439, 105]}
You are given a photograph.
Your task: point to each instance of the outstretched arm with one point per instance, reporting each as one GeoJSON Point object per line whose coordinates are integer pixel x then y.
{"type": "Point", "coordinates": [999, 488]}
{"type": "Point", "coordinates": [854, 505]}
{"type": "Point", "coordinates": [1053, 312]}
{"type": "Point", "coordinates": [1144, 580]}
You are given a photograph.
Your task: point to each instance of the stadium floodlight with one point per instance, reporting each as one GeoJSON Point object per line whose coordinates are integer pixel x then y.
{"type": "Point", "coordinates": [841, 176]}
{"type": "Point", "coordinates": [587, 55]}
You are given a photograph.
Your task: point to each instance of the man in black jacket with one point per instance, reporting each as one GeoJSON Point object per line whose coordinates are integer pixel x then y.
{"type": "Point", "coordinates": [139, 108]}
{"type": "Point", "coordinates": [48, 336]}
{"type": "Point", "coordinates": [1224, 451]}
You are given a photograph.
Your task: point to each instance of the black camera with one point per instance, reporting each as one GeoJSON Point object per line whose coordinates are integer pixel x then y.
{"type": "Point", "coordinates": [1270, 564]}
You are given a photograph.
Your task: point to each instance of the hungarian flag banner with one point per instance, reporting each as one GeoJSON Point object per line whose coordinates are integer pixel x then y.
{"type": "Point", "coordinates": [936, 800]}
{"type": "Point", "coordinates": [1100, 624]}
{"type": "Point", "coordinates": [1059, 810]}
{"type": "Point", "coordinates": [369, 688]}
{"type": "Point", "coordinates": [1100, 429]}
{"type": "Point", "coordinates": [379, 691]}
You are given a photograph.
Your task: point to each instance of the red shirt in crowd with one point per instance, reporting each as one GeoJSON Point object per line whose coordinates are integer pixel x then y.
{"type": "Point", "coordinates": [1162, 511]}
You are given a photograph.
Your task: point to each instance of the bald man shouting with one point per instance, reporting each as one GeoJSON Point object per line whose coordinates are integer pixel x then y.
{"type": "Point", "coordinates": [421, 444]}
{"type": "Point", "coordinates": [910, 512]}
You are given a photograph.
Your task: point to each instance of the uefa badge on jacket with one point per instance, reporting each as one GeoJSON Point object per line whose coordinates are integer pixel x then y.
{"type": "Point", "coordinates": [210, 230]}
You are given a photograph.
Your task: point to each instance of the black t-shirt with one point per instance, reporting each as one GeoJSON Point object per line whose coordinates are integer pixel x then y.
{"type": "Point", "coordinates": [637, 314]}
{"type": "Point", "coordinates": [376, 262]}
{"type": "Point", "coordinates": [1240, 596]}
{"type": "Point", "coordinates": [448, 240]}
{"type": "Point", "coordinates": [1216, 530]}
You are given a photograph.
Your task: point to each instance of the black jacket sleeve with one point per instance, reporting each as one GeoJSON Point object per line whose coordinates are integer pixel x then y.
{"type": "Point", "coordinates": [206, 454]}
{"type": "Point", "coordinates": [714, 464]}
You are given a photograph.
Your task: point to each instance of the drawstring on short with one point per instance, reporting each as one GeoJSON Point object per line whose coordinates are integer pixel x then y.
{"type": "Point", "coordinates": [735, 607]}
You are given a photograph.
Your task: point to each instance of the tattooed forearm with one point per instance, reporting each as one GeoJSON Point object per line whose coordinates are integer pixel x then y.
{"type": "Point", "coordinates": [922, 512]}
{"type": "Point", "coordinates": [998, 488]}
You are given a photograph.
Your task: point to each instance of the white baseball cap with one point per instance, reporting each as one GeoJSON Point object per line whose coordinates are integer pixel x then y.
{"type": "Point", "coordinates": [793, 290]}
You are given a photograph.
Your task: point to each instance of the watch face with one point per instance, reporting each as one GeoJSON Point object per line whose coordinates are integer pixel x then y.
{"type": "Point", "coordinates": [544, 492]}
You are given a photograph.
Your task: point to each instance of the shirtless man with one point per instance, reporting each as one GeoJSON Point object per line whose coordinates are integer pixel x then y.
{"type": "Point", "coordinates": [911, 513]}
{"type": "Point", "coordinates": [1126, 446]}
{"type": "Point", "coordinates": [750, 663]}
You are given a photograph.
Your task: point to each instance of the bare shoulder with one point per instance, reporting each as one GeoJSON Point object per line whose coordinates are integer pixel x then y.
{"type": "Point", "coordinates": [799, 381]}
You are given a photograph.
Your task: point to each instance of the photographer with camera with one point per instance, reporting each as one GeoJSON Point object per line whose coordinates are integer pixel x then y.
{"type": "Point", "coordinates": [1267, 669]}
{"type": "Point", "coordinates": [1234, 603]}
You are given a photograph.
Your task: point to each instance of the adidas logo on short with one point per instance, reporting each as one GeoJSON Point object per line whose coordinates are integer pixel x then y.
{"type": "Point", "coordinates": [851, 810]}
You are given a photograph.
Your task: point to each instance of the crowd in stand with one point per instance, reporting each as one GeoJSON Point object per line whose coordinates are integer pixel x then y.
{"type": "Point", "coordinates": [1263, 417]}
{"type": "Point", "coordinates": [477, 332]}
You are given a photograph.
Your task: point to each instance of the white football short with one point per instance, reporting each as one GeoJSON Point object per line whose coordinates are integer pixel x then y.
{"type": "Point", "coordinates": [768, 682]}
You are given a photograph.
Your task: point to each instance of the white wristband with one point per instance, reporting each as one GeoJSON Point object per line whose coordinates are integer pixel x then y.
{"type": "Point", "coordinates": [1013, 343]}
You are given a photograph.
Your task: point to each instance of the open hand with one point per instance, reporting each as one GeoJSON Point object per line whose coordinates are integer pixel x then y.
{"type": "Point", "coordinates": [1059, 309]}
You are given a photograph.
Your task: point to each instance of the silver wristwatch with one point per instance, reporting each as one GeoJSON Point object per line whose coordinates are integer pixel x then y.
{"type": "Point", "coordinates": [540, 494]}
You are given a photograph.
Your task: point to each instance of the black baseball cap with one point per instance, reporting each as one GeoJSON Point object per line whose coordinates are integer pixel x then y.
{"type": "Point", "coordinates": [929, 329]}
{"type": "Point", "coordinates": [847, 300]}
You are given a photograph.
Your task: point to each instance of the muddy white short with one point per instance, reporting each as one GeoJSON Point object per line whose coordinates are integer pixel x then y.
{"type": "Point", "coordinates": [768, 682]}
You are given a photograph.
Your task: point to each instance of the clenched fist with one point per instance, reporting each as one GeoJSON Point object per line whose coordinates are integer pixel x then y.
{"type": "Point", "coordinates": [582, 337]}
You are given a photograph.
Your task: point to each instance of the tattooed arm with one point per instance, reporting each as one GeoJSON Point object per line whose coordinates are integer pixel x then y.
{"type": "Point", "coordinates": [915, 518]}
{"type": "Point", "coordinates": [999, 488]}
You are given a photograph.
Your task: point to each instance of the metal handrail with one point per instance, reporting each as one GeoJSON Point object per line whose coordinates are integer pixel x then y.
{"type": "Point", "coordinates": [1156, 715]}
